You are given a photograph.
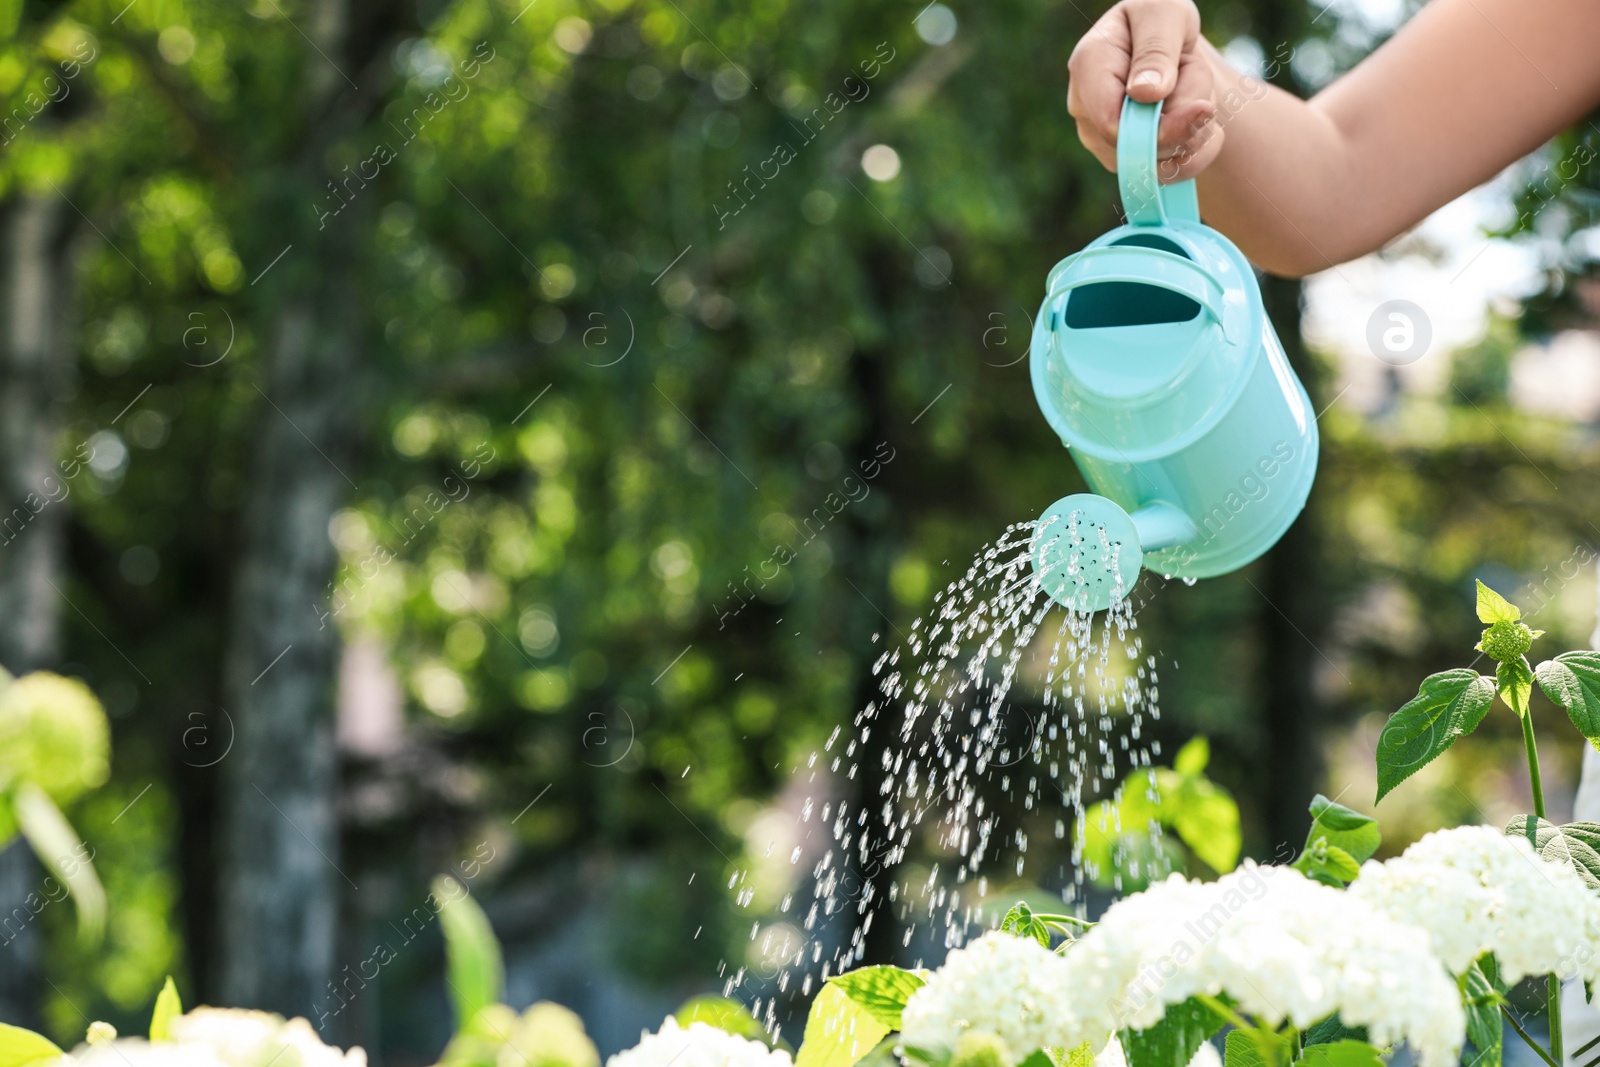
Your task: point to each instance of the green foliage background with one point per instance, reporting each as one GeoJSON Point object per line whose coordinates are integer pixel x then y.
{"type": "Point", "coordinates": [628, 401]}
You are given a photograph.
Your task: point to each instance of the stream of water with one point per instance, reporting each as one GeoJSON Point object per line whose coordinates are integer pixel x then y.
{"type": "Point", "coordinates": [1006, 714]}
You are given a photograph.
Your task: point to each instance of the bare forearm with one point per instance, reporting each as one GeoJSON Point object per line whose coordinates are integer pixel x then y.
{"type": "Point", "coordinates": [1448, 102]}
{"type": "Point", "coordinates": [1280, 184]}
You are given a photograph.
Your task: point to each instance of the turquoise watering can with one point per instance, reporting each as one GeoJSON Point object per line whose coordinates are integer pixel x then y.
{"type": "Point", "coordinates": [1154, 361]}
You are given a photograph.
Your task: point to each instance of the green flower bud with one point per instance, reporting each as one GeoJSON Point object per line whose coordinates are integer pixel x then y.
{"type": "Point", "coordinates": [54, 734]}
{"type": "Point", "coordinates": [1506, 640]}
{"type": "Point", "coordinates": [549, 1035]}
{"type": "Point", "coordinates": [978, 1048]}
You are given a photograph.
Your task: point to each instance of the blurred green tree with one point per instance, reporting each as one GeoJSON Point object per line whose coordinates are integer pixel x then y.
{"type": "Point", "coordinates": [613, 372]}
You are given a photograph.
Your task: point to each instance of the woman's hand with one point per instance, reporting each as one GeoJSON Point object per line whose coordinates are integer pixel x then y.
{"type": "Point", "coordinates": [1458, 93]}
{"type": "Point", "coordinates": [1150, 50]}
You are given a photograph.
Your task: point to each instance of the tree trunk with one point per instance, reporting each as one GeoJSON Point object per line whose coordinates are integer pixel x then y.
{"type": "Point", "coordinates": [1291, 629]}
{"type": "Point", "coordinates": [281, 886]}
{"type": "Point", "coordinates": [281, 883]}
{"type": "Point", "coordinates": [872, 534]}
{"type": "Point", "coordinates": [35, 360]}
{"type": "Point", "coordinates": [1291, 620]}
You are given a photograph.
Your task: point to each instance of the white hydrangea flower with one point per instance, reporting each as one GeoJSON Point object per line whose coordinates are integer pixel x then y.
{"type": "Point", "coordinates": [698, 1045]}
{"type": "Point", "coordinates": [1113, 1055]}
{"type": "Point", "coordinates": [1010, 987]}
{"type": "Point", "coordinates": [136, 1052]}
{"type": "Point", "coordinates": [224, 1037]}
{"type": "Point", "coordinates": [1281, 945]}
{"type": "Point", "coordinates": [1475, 890]}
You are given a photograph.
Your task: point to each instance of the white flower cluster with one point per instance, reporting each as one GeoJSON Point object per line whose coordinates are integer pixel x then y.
{"type": "Point", "coordinates": [1281, 945]}
{"type": "Point", "coordinates": [1009, 987]}
{"type": "Point", "coordinates": [1114, 1056]}
{"type": "Point", "coordinates": [223, 1037]}
{"type": "Point", "coordinates": [1475, 890]}
{"type": "Point", "coordinates": [698, 1045]}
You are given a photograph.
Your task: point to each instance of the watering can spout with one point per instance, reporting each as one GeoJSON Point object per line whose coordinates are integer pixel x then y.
{"type": "Point", "coordinates": [1161, 525]}
{"type": "Point", "coordinates": [1087, 551]}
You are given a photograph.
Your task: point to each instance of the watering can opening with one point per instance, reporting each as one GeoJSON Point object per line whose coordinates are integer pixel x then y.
{"type": "Point", "coordinates": [1109, 304]}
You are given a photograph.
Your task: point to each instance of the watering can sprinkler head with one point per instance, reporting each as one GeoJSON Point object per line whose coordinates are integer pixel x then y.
{"type": "Point", "coordinates": [1087, 551]}
{"type": "Point", "coordinates": [1154, 361]}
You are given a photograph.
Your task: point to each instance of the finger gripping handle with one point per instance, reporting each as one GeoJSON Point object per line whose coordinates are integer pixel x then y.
{"type": "Point", "coordinates": [1145, 201]}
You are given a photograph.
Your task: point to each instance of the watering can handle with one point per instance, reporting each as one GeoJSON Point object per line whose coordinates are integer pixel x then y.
{"type": "Point", "coordinates": [1143, 266]}
{"type": "Point", "coordinates": [1145, 201]}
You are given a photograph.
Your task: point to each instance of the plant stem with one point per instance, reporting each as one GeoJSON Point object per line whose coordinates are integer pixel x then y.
{"type": "Point", "coordinates": [1271, 1044]}
{"type": "Point", "coordinates": [1533, 769]}
{"type": "Point", "coordinates": [1553, 993]}
{"type": "Point", "coordinates": [1552, 982]}
{"type": "Point", "coordinates": [1225, 1011]}
{"type": "Point", "coordinates": [1531, 1043]}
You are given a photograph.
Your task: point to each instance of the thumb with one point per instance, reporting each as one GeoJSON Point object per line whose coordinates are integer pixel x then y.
{"type": "Point", "coordinates": [1159, 33]}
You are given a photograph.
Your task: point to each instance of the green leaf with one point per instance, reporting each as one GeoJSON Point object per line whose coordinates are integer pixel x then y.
{"type": "Point", "coordinates": [1207, 820]}
{"type": "Point", "coordinates": [1339, 839]}
{"type": "Point", "coordinates": [1022, 922]}
{"type": "Point", "coordinates": [882, 991]}
{"type": "Point", "coordinates": [1173, 1041]}
{"type": "Point", "coordinates": [724, 1013]}
{"type": "Point", "coordinates": [1572, 680]}
{"type": "Point", "coordinates": [1448, 705]}
{"type": "Point", "coordinates": [1493, 608]}
{"type": "Point", "coordinates": [1515, 679]}
{"type": "Point", "coordinates": [1328, 864]}
{"type": "Point", "coordinates": [1254, 1048]}
{"type": "Point", "coordinates": [839, 1032]}
{"type": "Point", "coordinates": [1117, 834]}
{"type": "Point", "coordinates": [1193, 756]}
{"type": "Point", "coordinates": [1577, 844]}
{"type": "Point", "coordinates": [64, 854]}
{"type": "Point", "coordinates": [1352, 831]}
{"type": "Point", "coordinates": [168, 1008]}
{"type": "Point", "coordinates": [1484, 1026]}
{"type": "Point", "coordinates": [1203, 813]}
{"type": "Point", "coordinates": [473, 970]}
{"type": "Point", "coordinates": [1341, 1054]}
{"type": "Point", "coordinates": [24, 1048]}
{"type": "Point", "coordinates": [1490, 968]}
{"type": "Point", "coordinates": [1070, 925]}
{"type": "Point", "coordinates": [1333, 1029]}
{"type": "Point", "coordinates": [1109, 824]}
{"type": "Point", "coordinates": [1082, 1056]}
